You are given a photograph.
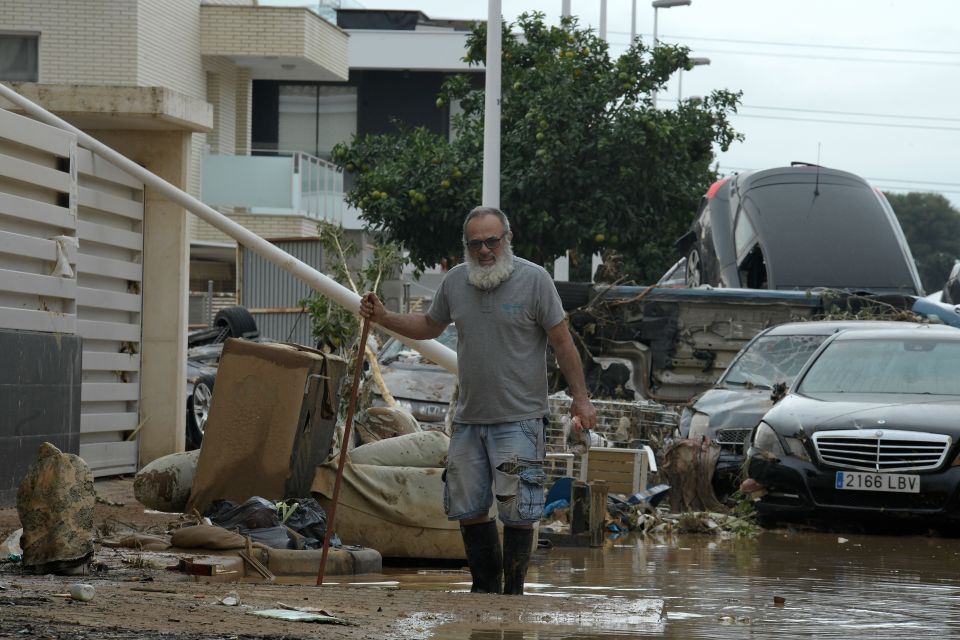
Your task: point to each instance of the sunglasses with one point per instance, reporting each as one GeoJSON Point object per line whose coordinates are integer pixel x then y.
{"type": "Point", "coordinates": [491, 243]}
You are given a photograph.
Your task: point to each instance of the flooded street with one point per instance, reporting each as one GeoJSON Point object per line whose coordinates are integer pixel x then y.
{"type": "Point", "coordinates": [832, 586]}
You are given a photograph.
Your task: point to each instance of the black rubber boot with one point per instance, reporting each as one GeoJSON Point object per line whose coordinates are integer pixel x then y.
{"type": "Point", "coordinates": [517, 544]}
{"type": "Point", "coordinates": [482, 543]}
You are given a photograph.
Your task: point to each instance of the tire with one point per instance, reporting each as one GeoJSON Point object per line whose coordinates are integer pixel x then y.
{"type": "Point", "coordinates": [238, 321]}
{"type": "Point", "coordinates": [694, 268]}
{"type": "Point", "coordinates": [198, 411]}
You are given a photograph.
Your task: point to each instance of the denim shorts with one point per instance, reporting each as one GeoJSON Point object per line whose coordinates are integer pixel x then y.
{"type": "Point", "coordinates": [496, 460]}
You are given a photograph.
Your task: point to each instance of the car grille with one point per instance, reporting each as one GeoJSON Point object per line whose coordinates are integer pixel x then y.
{"type": "Point", "coordinates": [733, 440]}
{"type": "Point", "coordinates": [882, 450]}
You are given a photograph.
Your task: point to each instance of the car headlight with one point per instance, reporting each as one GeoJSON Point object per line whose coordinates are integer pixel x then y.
{"type": "Point", "coordinates": [795, 448]}
{"type": "Point", "coordinates": [698, 426]}
{"type": "Point", "coordinates": [766, 439]}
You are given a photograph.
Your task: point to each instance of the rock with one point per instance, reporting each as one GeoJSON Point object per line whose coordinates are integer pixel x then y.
{"type": "Point", "coordinates": [165, 483]}
{"type": "Point", "coordinates": [55, 502]}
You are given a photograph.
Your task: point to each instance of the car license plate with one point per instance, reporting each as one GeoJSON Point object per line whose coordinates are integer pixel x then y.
{"type": "Point", "coordinates": [896, 482]}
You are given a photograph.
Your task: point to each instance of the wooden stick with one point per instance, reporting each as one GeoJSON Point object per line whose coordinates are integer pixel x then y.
{"type": "Point", "coordinates": [344, 445]}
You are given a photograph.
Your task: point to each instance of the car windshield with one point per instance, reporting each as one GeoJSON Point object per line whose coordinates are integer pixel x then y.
{"type": "Point", "coordinates": [771, 360]}
{"type": "Point", "coordinates": [395, 351]}
{"type": "Point", "coordinates": [921, 366]}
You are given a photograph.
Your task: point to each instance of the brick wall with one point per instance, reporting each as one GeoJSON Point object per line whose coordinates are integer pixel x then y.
{"type": "Point", "coordinates": [169, 45]}
{"type": "Point", "coordinates": [81, 42]}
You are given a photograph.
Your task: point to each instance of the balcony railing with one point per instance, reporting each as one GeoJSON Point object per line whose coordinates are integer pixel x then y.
{"type": "Point", "coordinates": [283, 183]}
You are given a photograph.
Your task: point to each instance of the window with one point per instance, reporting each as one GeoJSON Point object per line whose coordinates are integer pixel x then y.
{"type": "Point", "coordinates": [18, 57]}
{"type": "Point", "coordinates": [313, 118]}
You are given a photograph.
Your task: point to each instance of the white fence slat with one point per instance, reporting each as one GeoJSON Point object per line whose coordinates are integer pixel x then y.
{"type": "Point", "coordinates": [31, 320]}
{"type": "Point", "coordinates": [105, 361]}
{"type": "Point", "coordinates": [110, 458]}
{"type": "Point", "coordinates": [35, 283]}
{"type": "Point", "coordinates": [42, 212]}
{"type": "Point", "coordinates": [101, 233]}
{"type": "Point", "coordinates": [35, 134]}
{"type": "Point", "coordinates": [90, 164]}
{"type": "Point", "coordinates": [104, 422]}
{"type": "Point", "coordinates": [33, 173]}
{"type": "Point", "coordinates": [109, 391]}
{"type": "Point", "coordinates": [98, 330]}
{"type": "Point", "coordinates": [18, 244]}
{"type": "Point", "coordinates": [100, 299]}
{"type": "Point", "coordinates": [109, 267]}
{"type": "Point", "coordinates": [111, 204]}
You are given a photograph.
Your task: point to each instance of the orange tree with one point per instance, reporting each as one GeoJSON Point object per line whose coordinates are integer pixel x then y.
{"type": "Point", "coordinates": [587, 163]}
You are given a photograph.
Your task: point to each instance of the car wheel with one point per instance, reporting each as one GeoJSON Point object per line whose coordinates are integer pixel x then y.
{"type": "Point", "coordinates": [198, 411]}
{"type": "Point", "coordinates": [238, 321]}
{"type": "Point", "coordinates": [694, 276]}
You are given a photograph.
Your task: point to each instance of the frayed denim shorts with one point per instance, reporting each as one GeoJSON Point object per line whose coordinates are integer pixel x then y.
{"type": "Point", "coordinates": [496, 460]}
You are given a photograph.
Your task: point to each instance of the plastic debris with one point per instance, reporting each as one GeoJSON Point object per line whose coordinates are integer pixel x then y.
{"type": "Point", "coordinates": [298, 616]}
{"type": "Point", "coordinates": [82, 592]}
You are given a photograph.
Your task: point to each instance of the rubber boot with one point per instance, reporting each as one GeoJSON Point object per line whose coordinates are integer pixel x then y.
{"type": "Point", "coordinates": [482, 543]}
{"type": "Point", "coordinates": [517, 544]}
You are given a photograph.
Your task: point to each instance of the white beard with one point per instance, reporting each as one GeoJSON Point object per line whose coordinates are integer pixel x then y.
{"type": "Point", "coordinates": [487, 278]}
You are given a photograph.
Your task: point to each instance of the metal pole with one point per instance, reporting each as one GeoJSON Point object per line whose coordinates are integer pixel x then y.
{"type": "Point", "coordinates": [633, 21]}
{"type": "Point", "coordinates": [603, 20]}
{"type": "Point", "coordinates": [565, 9]}
{"type": "Point", "coordinates": [209, 303]}
{"type": "Point", "coordinates": [653, 94]}
{"type": "Point", "coordinates": [491, 111]}
{"type": "Point", "coordinates": [346, 298]}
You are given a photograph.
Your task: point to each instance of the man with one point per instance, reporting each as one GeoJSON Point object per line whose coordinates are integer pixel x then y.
{"type": "Point", "coordinates": [505, 309]}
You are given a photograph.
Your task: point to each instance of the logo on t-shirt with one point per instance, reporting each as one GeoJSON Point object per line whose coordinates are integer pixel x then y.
{"type": "Point", "coordinates": [511, 309]}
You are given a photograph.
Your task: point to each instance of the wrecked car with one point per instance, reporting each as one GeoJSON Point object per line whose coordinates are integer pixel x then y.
{"type": "Point", "coordinates": [421, 387]}
{"type": "Point", "coordinates": [754, 381]}
{"type": "Point", "coordinates": [795, 228]}
{"type": "Point", "coordinates": [869, 428]}
{"type": "Point", "coordinates": [202, 365]}
{"type": "Point", "coordinates": [203, 358]}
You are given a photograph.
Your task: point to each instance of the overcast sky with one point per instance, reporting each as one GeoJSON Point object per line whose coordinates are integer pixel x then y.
{"type": "Point", "coordinates": [868, 86]}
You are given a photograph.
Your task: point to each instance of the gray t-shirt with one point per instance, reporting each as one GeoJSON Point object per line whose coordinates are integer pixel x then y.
{"type": "Point", "coordinates": [501, 342]}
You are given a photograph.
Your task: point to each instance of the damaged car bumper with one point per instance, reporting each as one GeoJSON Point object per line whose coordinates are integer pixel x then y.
{"type": "Point", "coordinates": [791, 488]}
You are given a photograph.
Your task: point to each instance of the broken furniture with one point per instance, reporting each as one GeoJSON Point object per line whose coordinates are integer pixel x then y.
{"type": "Point", "coordinates": [624, 470]}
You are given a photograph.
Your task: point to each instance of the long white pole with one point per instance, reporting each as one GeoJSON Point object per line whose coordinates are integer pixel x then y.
{"type": "Point", "coordinates": [338, 293]}
{"type": "Point", "coordinates": [633, 22]}
{"type": "Point", "coordinates": [491, 109]}
{"type": "Point", "coordinates": [603, 20]}
{"type": "Point", "coordinates": [653, 94]}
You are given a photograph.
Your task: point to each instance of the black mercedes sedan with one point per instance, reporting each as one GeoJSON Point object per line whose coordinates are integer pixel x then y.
{"type": "Point", "coordinates": [871, 426]}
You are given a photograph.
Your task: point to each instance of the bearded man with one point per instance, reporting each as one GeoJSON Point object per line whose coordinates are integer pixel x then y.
{"type": "Point", "coordinates": [505, 309]}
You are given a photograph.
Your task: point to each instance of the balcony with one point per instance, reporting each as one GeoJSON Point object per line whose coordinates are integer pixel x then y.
{"type": "Point", "coordinates": [283, 183]}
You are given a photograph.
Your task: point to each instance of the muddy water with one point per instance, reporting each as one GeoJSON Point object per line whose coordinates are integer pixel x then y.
{"type": "Point", "coordinates": [831, 586]}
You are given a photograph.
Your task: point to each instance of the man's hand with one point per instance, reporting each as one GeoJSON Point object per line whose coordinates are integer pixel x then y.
{"type": "Point", "coordinates": [372, 308]}
{"type": "Point", "coordinates": [584, 414]}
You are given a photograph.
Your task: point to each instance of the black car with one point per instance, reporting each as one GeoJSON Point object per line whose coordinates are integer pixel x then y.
{"type": "Point", "coordinates": [798, 227]}
{"type": "Point", "coordinates": [730, 411]}
{"type": "Point", "coordinates": [871, 427]}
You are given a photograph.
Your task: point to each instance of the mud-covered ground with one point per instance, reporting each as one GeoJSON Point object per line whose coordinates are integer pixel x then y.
{"type": "Point", "coordinates": [137, 598]}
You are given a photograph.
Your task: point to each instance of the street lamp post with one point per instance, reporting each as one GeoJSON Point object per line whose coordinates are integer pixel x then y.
{"type": "Point", "coordinates": [697, 62]}
{"type": "Point", "coordinates": [662, 4]}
